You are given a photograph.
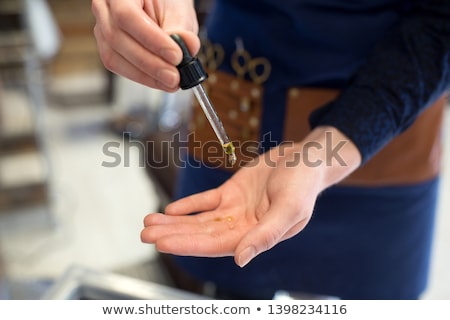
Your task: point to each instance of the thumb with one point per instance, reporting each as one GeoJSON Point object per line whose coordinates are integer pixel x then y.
{"type": "Point", "coordinates": [276, 226]}
{"type": "Point", "coordinates": [261, 238]}
{"type": "Point", "coordinates": [181, 19]}
{"type": "Point", "coordinates": [169, 17]}
{"type": "Point", "coordinates": [191, 40]}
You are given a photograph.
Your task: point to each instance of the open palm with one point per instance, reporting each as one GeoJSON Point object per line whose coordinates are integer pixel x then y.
{"type": "Point", "coordinates": [261, 205]}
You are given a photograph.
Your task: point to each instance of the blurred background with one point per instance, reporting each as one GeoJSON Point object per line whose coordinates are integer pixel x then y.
{"type": "Point", "coordinates": [74, 140]}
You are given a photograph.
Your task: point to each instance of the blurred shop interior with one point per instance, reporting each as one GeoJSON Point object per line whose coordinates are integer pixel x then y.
{"type": "Point", "coordinates": [70, 218]}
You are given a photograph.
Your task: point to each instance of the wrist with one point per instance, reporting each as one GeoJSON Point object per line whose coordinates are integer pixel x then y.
{"type": "Point", "coordinates": [330, 154]}
{"type": "Point", "coordinates": [337, 156]}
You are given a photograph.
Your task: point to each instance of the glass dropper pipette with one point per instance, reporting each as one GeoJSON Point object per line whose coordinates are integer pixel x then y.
{"type": "Point", "coordinates": [192, 75]}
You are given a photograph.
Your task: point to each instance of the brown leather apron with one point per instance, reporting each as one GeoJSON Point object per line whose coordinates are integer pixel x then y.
{"type": "Point", "coordinates": [412, 157]}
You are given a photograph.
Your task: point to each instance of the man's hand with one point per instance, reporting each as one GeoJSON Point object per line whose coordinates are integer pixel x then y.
{"type": "Point", "coordinates": [133, 38]}
{"type": "Point", "coordinates": [264, 203]}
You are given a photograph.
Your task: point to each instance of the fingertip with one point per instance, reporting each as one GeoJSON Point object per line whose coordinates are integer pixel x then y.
{"type": "Point", "coordinates": [145, 220]}
{"type": "Point", "coordinates": [151, 219]}
{"type": "Point", "coordinates": [177, 207]}
{"type": "Point", "coordinates": [160, 246]}
{"type": "Point", "coordinates": [195, 44]}
{"type": "Point", "coordinates": [143, 236]}
{"type": "Point", "coordinates": [245, 256]}
{"type": "Point", "coordinates": [171, 209]}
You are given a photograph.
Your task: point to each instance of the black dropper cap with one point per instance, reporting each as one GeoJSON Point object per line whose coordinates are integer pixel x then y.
{"type": "Point", "coordinates": [190, 68]}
